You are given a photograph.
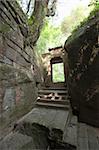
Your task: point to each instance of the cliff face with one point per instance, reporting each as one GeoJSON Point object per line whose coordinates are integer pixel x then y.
{"type": "Point", "coordinates": [83, 80]}
{"type": "Point", "coordinates": [19, 71]}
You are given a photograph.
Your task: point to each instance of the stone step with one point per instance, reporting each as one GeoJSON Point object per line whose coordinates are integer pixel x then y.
{"type": "Point", "coordinates": [48, 117]}
{"type": "Point", "coordinates": [53, 105]}
{"type": "Point", "coordinates": [46, 96]}
{"type": "Point", "coordinates": [53, 91]}
{"type": "Point", "coordinates": [55, 85]}
{"type": "Point", "coordinates": [54, 101]}
{"type": "Point", "coordinates": [54, 88]}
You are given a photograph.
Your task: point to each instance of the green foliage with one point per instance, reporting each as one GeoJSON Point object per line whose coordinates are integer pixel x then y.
{"type": "Point", "coordinates": [72, 21]}
{"type": "Point", "coordinates": [95, 4]}
{"type": "Point", "coordinates": [50, 37]}
{"type": "Point", "coordinates": [30, 21]}
{"type": "Point", "coordinates": [92, 14]}
{"type": "Point", "coordinates": [78, 18]}
{"type": "Point", "coordinates": [58, 72]}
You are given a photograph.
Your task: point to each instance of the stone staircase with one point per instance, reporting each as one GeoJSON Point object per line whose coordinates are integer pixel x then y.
{"type": "Point", "coordinates": [79, 135]}
{"type": "Point", "coordinates": [53, 98]}
{"type": "Point", "coordinates": [51, 114]}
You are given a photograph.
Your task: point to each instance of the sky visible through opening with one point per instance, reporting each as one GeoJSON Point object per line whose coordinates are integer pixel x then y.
{"type": "Point", "coordinates": [62, 24]}
{"type": "Point", "coordinates": [51, 37]}
{"type": "Point", "coordinates": [65, 7]}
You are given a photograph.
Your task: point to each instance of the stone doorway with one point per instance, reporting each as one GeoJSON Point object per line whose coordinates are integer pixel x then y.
{"type": "Point", "coordinates": [57, 70]}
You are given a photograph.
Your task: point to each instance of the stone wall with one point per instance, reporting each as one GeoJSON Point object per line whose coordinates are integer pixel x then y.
{"type": "Point", "coordinates": [19, 71]}
{"type": "Point", "coordinates": [83, 80]}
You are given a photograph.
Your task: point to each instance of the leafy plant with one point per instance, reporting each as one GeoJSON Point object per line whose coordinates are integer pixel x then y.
{"type": "Point", "coordinates": [58, 72]}
{"type": "Point", "coordinates": [73, 21]}
{"type": "Point", "coordinates": [92, 14]}
{"type": "Point", "coordinates": [50, 37]}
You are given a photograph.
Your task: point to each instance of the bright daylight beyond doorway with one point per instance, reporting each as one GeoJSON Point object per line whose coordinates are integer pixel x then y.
{"type": "Point", "coordinates": [58, 72]}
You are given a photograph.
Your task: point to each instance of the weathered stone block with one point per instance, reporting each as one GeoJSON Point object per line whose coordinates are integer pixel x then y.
{"type": "Point", "coordinates": [83, 79]}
